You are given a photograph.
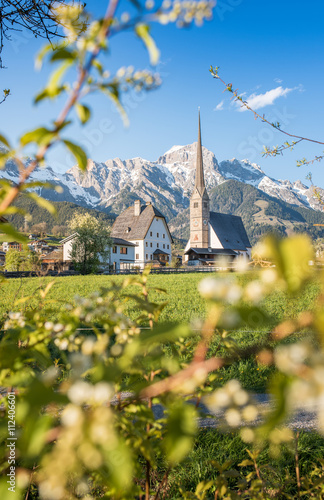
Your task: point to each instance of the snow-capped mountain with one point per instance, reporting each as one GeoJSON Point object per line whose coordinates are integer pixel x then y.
{"type": "Point", "coordinates": [167, 182]}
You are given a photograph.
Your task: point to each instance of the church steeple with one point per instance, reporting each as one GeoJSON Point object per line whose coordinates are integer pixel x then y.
{"type": "Point", "coordinates": [199, 180]}
{"type": "Point", "coordinates": [199, 203]}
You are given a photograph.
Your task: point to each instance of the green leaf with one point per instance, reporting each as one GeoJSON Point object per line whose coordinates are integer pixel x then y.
{"type": "Point", "coordinates": [78, 153]}
{"type": "Point", "coordinates": [83, 112]}
{"type": "Point", "coordinates": [41, 202]}
{"type": "Point", "coordinates": [41, 54]}
{"type": "Point", "coordinates": [42, 136]}
{"type": "Point", "coordinates": [180, 431]}
{"type": "Point", "coordinates": [245, 463]}
{"type": "Point", "coordinates": [143, 32]}
{"type": "Point", "coordinates": [11, 234]}
{"type": "Point", "coordinates": [113, 93]}
{"type": "Point", "coordinates": [54, 87]}
{"type": "Point", "coordinates": [63, 54]}
{"type": "Point", "coordinates": [4, 141]}
{"type": "Point", "coordinates": [35, 184]}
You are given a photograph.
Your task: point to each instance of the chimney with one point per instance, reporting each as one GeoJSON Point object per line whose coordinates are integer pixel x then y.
{"type": "Point", "coordinates": [148, 203]}
{"type": "Point", "coordinates": [137, 208]}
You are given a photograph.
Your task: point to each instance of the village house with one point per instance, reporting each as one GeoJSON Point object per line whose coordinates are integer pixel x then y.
{"type": "Point", "coordinates": [145, 226]}
{"type": "Point", "coordinates": [12, 245]}
{"type": "Point", "coordinates": [212, 234]}
{"type": "Point", "coordinates": [121, 252]}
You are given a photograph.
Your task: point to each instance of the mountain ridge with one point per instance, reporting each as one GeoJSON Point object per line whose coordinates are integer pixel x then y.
{"type": "Point", "coordinates": [113, 185]}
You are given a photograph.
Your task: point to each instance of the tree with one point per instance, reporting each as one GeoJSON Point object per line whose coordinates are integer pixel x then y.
{"type": "Point", "coordinates": [36, 16]}
{"type": "Point", "coordinates": [22, 261]}
{"type": "Point", "coordinates": [91, 246]}
{"type": "Point", "coordinates": [40, 228]}
{"type": "Point", "coordinates": [60, 230]}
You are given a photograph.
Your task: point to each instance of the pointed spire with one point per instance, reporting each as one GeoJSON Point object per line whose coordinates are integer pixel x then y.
{"type": "Point", "coordinates": [199, 181]}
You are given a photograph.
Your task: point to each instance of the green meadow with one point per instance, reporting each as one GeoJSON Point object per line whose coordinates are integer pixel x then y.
{"type": "Point", "coordinates": [184, 305]}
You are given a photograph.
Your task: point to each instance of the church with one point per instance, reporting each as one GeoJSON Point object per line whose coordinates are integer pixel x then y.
{"type": "Point", "coordinates": [212, 234]}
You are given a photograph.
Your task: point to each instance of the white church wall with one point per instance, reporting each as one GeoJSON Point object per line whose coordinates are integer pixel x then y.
{"type": "Point", "coordinates": [214, 241]}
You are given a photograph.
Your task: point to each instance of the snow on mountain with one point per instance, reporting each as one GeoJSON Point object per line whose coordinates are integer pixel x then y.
{"type": "Point", "coordinates": [167, 182]}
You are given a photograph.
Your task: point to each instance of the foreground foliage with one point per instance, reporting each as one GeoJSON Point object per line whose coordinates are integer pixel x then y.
{"type": "Point", "coordinates": [85, 424]}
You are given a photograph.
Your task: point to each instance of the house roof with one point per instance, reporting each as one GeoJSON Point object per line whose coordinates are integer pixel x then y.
{"type": "Point", "coordinates": [68, 238]}
{"type": "Point", "coordinates": [127, 225]}
{"type": "Point", "coordinates": [230, 231]}
{"type": "Point", "coordinates": [159, 252]}
{"type": "Point", "coordinates": [211, 251]}
{"type": "Point", "coordinates": [120, 241]}
{"type": "Point", "coordinates": [55, 255]}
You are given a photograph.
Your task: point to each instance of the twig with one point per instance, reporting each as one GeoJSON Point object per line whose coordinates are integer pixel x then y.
{"type": "Point", "coordinates": [173, 382]}
{"type": "Point", "coordinates": [26, 173]}
{"type": "Point", "coordinates": [297, 465]}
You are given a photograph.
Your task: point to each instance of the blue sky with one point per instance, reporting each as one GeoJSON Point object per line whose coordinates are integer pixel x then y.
{"type": "Point", "coordinates": [272, 51]}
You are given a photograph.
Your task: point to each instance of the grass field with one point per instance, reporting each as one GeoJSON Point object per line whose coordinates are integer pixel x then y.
{"type": "Point", "coordinates": [184, 305]}
{"type": "Point", "coordinates": [212, 445]}
{"type": "Point", "coordinates": [184, 301]}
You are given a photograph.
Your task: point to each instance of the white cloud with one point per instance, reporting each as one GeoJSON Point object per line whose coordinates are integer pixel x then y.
{"type": "Point", "coordinates": [257, 101]}
{"type": "Point", "coordinates": [219, 106]}
{"type": "Point", "coordinates": [278, 80]}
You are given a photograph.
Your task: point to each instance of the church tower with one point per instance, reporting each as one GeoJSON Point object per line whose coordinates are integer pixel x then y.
{"type": "Point", "coordinates": [199, 203]}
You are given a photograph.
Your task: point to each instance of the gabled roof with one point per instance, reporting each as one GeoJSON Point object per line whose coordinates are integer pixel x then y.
{"type": "Point", "coordinates": [68, 238]}
{"type": "Point", "coordinates": [211, 251]}
{"type": "Point", "coordinates": [120, 241]}
{"type": "Point", "coordinates": [230, 231]}
{"type": "Point", "coordinates": [127, 225]}
{"type": "Point", "coordinates": [160, 252]}
{"type": "Point", "coordinates": [55, 255]}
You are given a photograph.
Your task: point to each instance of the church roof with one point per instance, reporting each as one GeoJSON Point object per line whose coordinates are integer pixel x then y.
{"type": "Point", "coordinates": [199, 178]}
{"type": "Point", "coordinates": [230, 231]}
{"type": "Point", "coordinates": [134, 227]}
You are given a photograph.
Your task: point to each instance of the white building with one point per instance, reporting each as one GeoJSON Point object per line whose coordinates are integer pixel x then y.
{"type": "Point", "coordinates": [145, 227]}
{"type": "Point", "coordinates": [122, 252]}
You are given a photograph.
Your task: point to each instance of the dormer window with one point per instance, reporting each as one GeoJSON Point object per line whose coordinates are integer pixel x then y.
{"type": "Point", "coordinates": [196, 204]}
{"type": "Point", "coordinates": [128, 230]}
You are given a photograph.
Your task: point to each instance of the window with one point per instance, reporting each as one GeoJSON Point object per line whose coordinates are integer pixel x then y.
{"type": "Point", "coordinates": [114, 249]}
{"type": "Point", "coordinates": [163, 235]}
{"type": "Point", "coordinates": [196, 204]}
{"type": "Point", "coordinates": [146, 244]}
{"type": "Point", "coordinates": [157, 245]}
{"type": "Point", "coordinates": [137, 256]}
{"type": "Point", "coordinates": [163, 245]}
{"type": "Point", "coordinates": [137, 243]}
{"type": "Point", "coordinates": [151, 256]}
{"type": "Point", "coordinates": [157, 235]}
{"type": "Point", "coordinates": [123, 250]}
{"type": "Point", "coordinates": [150, 233]}
{"type": "Point", "coordinates": [151, 245]}
{"type": "Point", "coordinates": [146, 256]}
{"type": "Point", "coordinates": [205, 204]}
{"type": "Point", "coordinates": [168, 247]}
